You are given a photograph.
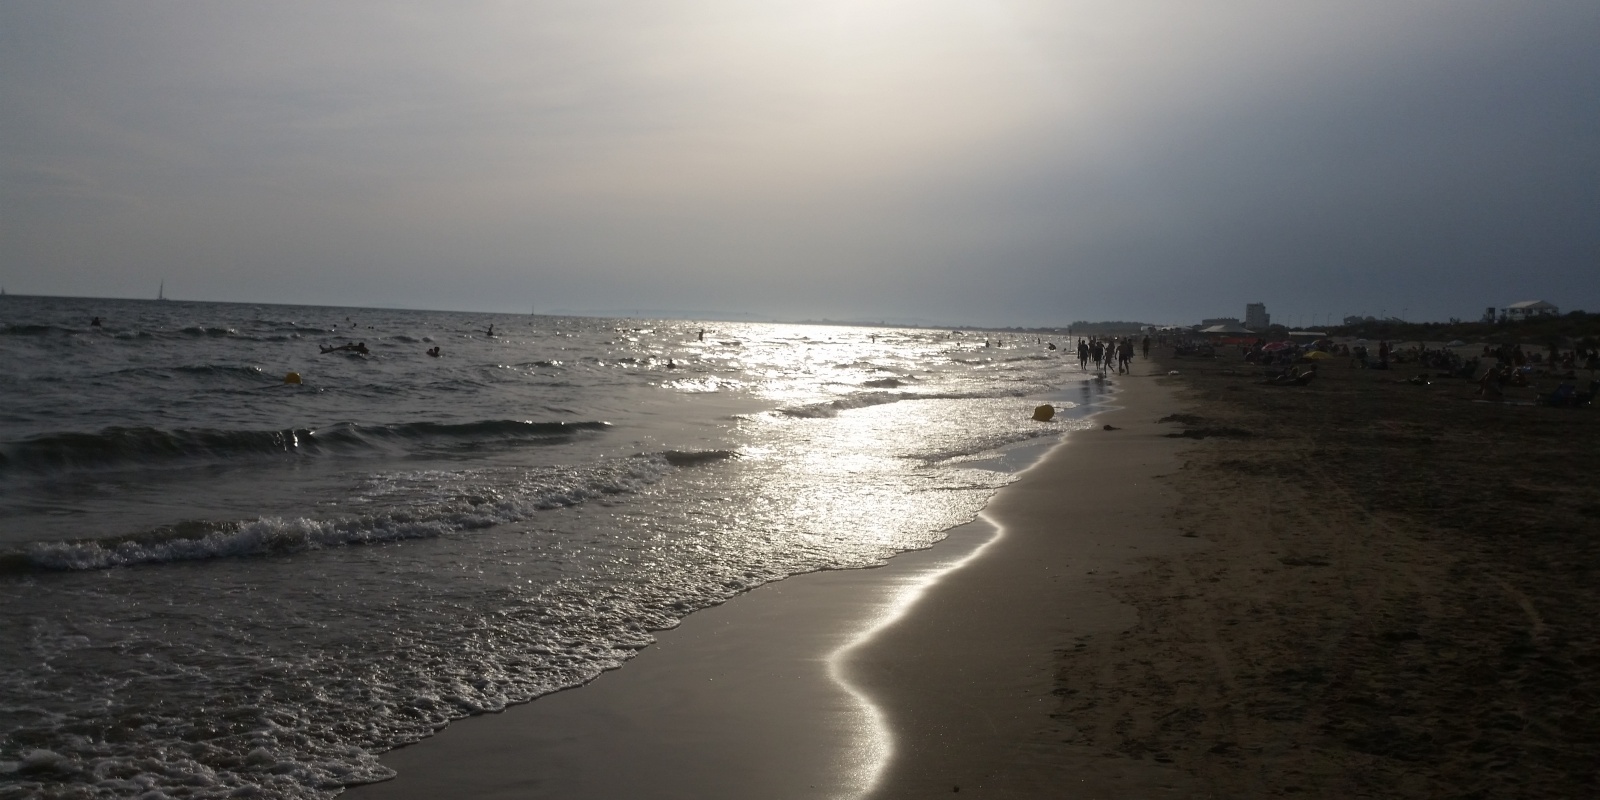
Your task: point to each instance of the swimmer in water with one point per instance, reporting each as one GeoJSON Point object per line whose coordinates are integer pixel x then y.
{"type": "Point", "coordinates": [434, 351]}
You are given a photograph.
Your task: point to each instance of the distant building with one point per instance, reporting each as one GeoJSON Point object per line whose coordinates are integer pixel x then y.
{"type": "Point", "coordinates": [1528, 309]}
{"type": "Point", "coordinates": [1255, 316]}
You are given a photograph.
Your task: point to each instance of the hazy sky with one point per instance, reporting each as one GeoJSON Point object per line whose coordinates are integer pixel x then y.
{"type": "Point", "coordinates": [985, 161]}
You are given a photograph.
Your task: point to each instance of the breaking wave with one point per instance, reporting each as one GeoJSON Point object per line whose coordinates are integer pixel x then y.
{"type": "Point", "coordinates": [199, 540]}
{"type": "Point", "coordinates": [136, 446]}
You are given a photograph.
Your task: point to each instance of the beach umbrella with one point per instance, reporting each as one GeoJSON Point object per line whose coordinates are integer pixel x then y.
{"type": "Point", "coordinates": [1318, 355]}
{"type": "Point", "coordinates": [1276, 346]}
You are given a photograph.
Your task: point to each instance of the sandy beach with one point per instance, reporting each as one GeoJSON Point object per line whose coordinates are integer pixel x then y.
{"type": "Point", "coordinates": [1369, 587]}
{"type": "Point", "coordinates": [1395, 598]}
{"type": "Point", "coordinates": [935, 673]}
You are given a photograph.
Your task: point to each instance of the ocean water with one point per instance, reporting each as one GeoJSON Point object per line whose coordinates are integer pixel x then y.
{"type": "Point", "coordinates": [214, 583]}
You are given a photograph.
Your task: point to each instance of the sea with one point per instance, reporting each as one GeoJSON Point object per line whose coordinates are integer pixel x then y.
{"type": "Point", "coordinates": [235, 565]}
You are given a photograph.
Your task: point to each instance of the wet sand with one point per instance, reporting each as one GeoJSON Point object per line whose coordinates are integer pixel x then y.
{"type": "Point", "coordinates": [933, 674]}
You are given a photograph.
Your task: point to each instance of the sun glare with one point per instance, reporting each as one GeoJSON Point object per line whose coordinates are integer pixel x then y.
{"type": "Point", "coordinates": [875, 751]}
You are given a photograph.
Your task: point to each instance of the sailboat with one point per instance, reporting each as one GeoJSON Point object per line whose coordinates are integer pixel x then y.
{"type": "Point", "coordinates": [161, 293]}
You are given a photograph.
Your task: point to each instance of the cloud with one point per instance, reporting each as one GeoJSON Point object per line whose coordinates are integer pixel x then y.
{"type": "Point", "coordinates": [978, 160]}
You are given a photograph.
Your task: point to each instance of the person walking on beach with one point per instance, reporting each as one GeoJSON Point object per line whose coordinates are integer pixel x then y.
{"type": "Point", "coordinates": [1083, 355]}
{"type": "Point", "coordinates": [1147, 345]}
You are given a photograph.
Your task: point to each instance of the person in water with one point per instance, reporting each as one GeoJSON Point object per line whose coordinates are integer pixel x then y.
{"type": "Point", "coordinates": [94, 323]}
{"type": "Point", "coordinates": [490, 332]}
{"type": "Point", "coordinates": [434, 351]}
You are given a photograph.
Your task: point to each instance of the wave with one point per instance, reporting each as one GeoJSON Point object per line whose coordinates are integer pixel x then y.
{"type": "Point", "coordinates": [33, 330]}
{"type": "Point", "coordinates": [833, 407]}
{"type": "Point", "coordinates": [118, 446]}
{"type": "Point", "coordinates": [690, 458]}
{"type": "Point", "coordinates": [222, 370]}
{"type": "Point", "coordinates": [866, 399]}
{"type": "Point", "coordinates": [201, 540]}
{"type": "Point", "coordinates": [988, 447]}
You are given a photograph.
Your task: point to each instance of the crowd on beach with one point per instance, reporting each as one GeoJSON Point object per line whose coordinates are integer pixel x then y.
{"type": "Point", "coordinates": [1494, 369]}
{"type": "Point", "coordinates": [1109, 353]}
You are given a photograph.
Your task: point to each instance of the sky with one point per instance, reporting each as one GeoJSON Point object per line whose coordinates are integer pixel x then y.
{"type": "Point", "coordinates": [989, 162]}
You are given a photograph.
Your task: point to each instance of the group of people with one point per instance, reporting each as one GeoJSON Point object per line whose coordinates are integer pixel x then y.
{"type": "Point", "coordinates": [1582, 357]}
{"type": "Point", "coordinates": [1104, 352]}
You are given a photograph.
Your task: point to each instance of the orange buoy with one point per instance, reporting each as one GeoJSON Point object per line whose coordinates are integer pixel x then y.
{"type": "Point", "coordinates": [293, 377]}
{"type": "Point", "coordinates": [1044, 413]}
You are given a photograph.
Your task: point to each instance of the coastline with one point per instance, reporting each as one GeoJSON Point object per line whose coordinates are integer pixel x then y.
{"type": "Point", "coordinates": [886, 682]}
{"type": "Point", "coordinates": [969, 679]}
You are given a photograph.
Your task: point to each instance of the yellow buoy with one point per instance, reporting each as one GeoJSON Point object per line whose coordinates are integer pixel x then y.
{"type": "Point", "coordinates": [1044, 413]}
{"type": "Point", "coordinates": [293, 377]}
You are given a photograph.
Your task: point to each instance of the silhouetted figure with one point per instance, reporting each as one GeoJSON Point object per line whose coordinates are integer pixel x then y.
{"type": "Point", "coordinates": [434, 351]}
{"type": "Point", "coordinates": [94, 323]}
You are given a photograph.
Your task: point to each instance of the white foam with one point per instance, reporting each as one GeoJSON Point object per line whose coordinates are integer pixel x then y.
{"type": "Point", "coordinates": [279, 535]}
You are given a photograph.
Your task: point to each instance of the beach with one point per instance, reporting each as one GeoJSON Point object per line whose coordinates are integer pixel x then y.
{"type": "Point", "coordinates": [1266, 591]}
{"type": "Point", "coordinates": [1395, 596]}
{"type": "Point", "coordinates": [935, 673]}
{"type": "Point", "coordinates": [281, 581]}
{"type": "Point", "coordinates": [807, 562]}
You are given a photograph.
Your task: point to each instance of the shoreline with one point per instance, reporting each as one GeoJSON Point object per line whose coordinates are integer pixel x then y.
{"type": "Point", "coordinates": [819, 685]}
{"type": "Point", "coordinates": [981, 718]}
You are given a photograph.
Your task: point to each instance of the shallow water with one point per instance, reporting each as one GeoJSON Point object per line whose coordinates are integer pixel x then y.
{"type": "Point", "coordinates": [218, 584]}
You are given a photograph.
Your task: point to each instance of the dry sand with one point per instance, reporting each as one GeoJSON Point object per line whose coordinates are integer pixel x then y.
{"type": "Point", "coordinates": [927, 676]}
{"type": "Point", "coordinates": [1397, 598]}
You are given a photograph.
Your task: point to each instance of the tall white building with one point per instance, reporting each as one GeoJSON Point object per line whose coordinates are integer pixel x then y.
{"type": "Point", "coordinates": [1256, 317]}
